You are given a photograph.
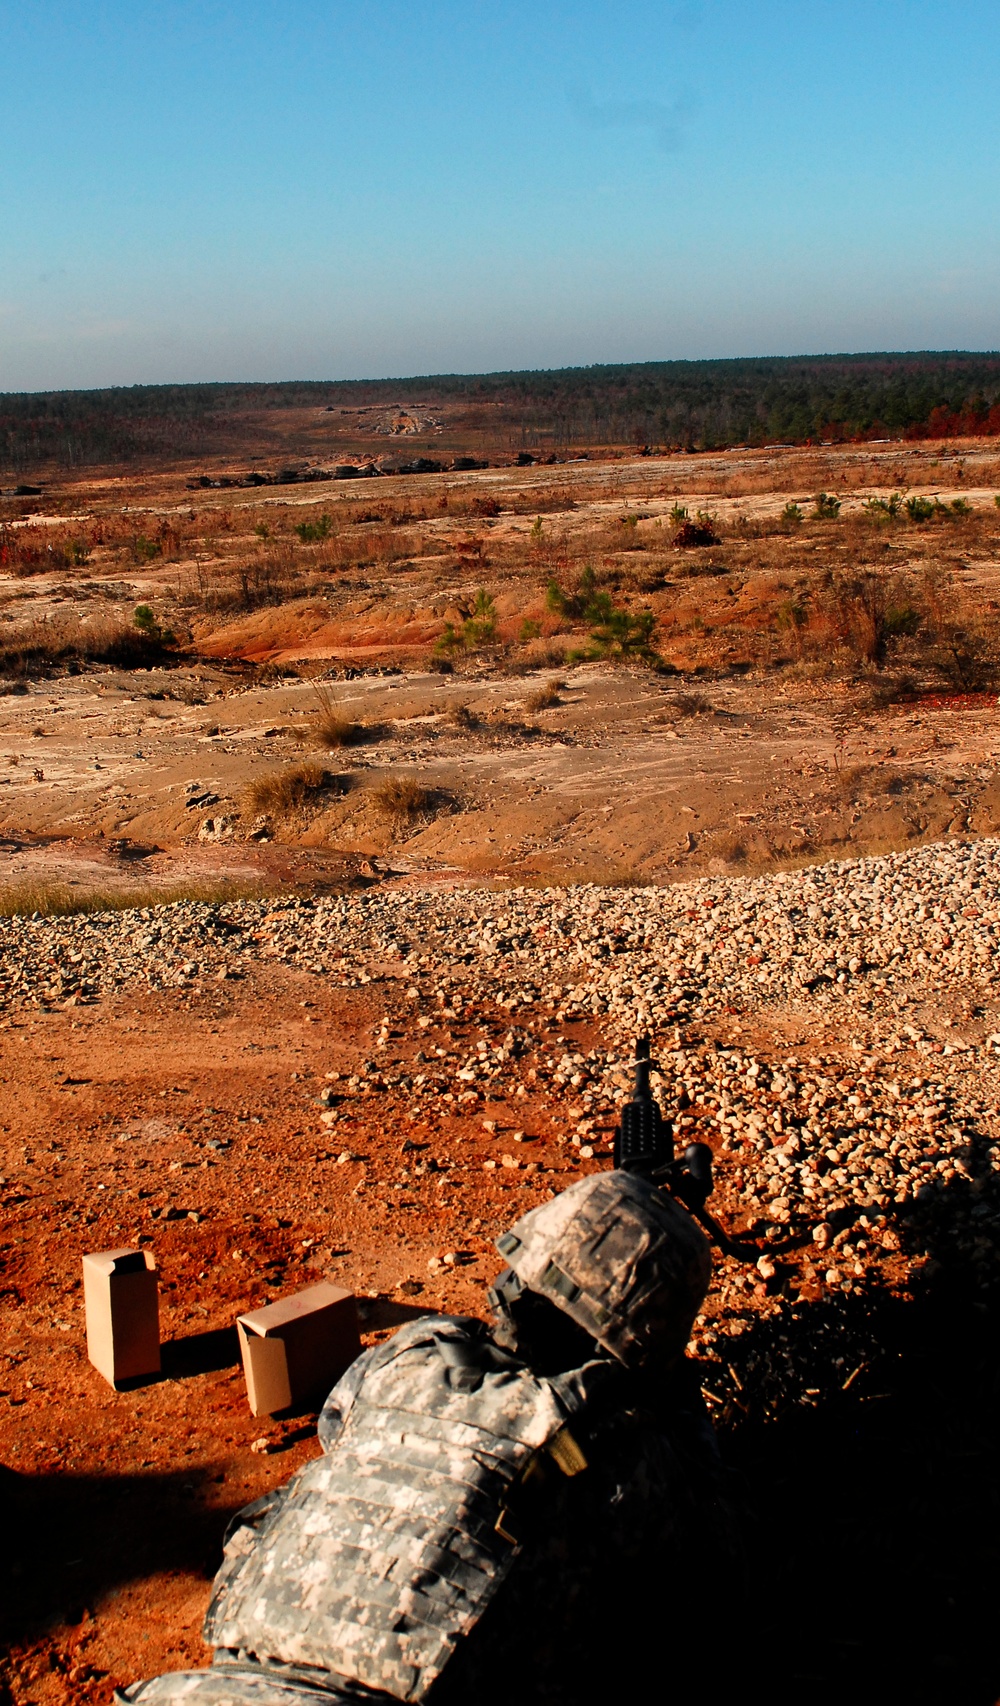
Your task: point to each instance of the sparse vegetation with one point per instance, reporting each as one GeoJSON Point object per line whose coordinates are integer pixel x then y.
{"type": "Point", "coordinates": [402, 799]}
{"type": "Point", "coordinates": [621, 633]}
{"type": "Point", "coordinates": [332, 729]}
{"type": "Point", "coordinates": [544, 698]}
{"type": "Point", "coordinates": [691, 533]}
{"type": "Point", "coordinates": [872, 610]}
{"type": "Point", "coordinates": [480, 626]}
{"type": "Point", "coordinates": [692, 704]}
{"type": "Point", "coordinates": [282, 792]}
{"type": "Point", "coordinates": [61, 900]}
{"type": "Point", "coordinates": [35, 647]}
{"type": "Point", "coordinates": [315, 531]}
{"type": "Point", "coordinates": [826, 507]}
{"type": "Point", "coordinates": [885, 509]}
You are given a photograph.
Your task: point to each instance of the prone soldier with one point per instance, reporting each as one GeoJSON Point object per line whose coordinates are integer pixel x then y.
{"type": "Point", "coordinates": [493, 1509]}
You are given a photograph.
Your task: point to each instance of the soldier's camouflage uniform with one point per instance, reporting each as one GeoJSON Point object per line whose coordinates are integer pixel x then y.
{"type": "Point", "coordinates": [475, 1527]}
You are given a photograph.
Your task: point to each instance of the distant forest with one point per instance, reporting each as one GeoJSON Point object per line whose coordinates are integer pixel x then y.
{"type": "Point", "coordinates": [665, 404]}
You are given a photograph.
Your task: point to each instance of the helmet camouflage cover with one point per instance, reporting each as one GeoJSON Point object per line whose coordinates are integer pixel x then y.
{"type": "Point", "coordinates": [621, 1258]}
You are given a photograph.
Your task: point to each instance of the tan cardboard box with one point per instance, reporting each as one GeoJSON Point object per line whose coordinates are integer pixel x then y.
{"type": "Point", "coordinates": [120, 1297]}
{"type": "Point", "coordinates": [298, 1347]}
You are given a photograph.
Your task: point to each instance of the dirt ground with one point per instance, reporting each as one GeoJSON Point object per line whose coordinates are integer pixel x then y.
{"type": "Point", "coordinates": [194, 1125]}
{"type": "Point", "coordinates": [194, 1128]}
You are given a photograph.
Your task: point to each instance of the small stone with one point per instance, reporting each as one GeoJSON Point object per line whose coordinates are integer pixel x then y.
{"type": "Point", "coordinates": [509, 1161]}
{"type": "Point", "coordinates": [822, 1234]}
{"type": "Point", "coordinates": [586, 1151]}
{"type": "Point", "coordinates": [489, 1125]}
{"type": "Point", "coordinates": [765, 1267]}
{"type": "Point", "coordinates": [410, 1287]}
{"type": "Point", "coordinates": [261, 1446]}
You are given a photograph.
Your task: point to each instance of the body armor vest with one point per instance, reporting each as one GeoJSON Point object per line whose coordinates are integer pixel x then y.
{"type": "Point", "coordinates": [379, 1557]}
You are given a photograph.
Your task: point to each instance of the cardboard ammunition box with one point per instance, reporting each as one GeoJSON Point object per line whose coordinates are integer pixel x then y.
{"type": "Point", "coordinates": [298, 1347]}
{"type": "Point", "coordinates": [123, 1317]}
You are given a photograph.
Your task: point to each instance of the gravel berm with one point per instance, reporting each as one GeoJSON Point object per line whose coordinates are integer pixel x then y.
{"type": "Point", "coordinates": [870, 1150]}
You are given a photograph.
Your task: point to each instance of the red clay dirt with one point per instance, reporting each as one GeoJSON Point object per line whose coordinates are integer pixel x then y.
{"type": "Point", "coordinates": [125, 1496]}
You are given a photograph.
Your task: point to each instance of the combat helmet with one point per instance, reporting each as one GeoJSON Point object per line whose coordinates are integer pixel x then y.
{"type": "Point", "coordinates": [620, 1258]}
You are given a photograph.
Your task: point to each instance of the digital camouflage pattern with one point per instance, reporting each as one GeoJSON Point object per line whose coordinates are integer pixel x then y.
{"type": "Point", "coordinates": [621, 1258]}
{"type": "Point", "coordinates": [378, 1557]}
{"type": "Point", "coordinates": [474, 1528]}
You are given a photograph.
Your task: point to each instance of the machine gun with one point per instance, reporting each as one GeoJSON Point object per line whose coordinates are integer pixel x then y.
{"type": "Point", "coordinates": [644, 1144]}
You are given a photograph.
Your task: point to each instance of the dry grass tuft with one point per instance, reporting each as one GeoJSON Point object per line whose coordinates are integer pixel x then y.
{"type": "Point", "coordinates": [461, 717]}
{"type": "Point", "coordinates": [401, 798]}
{"type": "Point", "coordinates": [545, 698]}
{"type": "Point", "coordinates": [732, 849]}
{"type": "Point", "coordinates": [693, 705]}
{"type": "Point", "coordinates": [686, 705]}
{"type": "Point", "coordinates": [333, 731]}
{"type": "Point", "coordinates": [282, 792]}
{"type": "Point", "coordinates": [61, 900]}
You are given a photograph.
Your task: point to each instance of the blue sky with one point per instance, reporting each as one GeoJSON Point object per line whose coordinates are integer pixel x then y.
{"type": "Point", "coordinates": [314, 189]}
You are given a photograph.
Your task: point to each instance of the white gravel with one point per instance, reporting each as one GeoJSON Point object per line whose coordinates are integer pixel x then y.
{"type": "Point", "coordinates": [874, 1142]}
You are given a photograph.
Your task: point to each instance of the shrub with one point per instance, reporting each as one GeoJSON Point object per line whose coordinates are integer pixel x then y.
{"type": "Point", "coordinates": [963, 649]}
{"type": "Point", "coordinates": [314, 532]}
{"type": "Point", "coordinates": [285, 791]}
{"type": "Point", "coordinates": [402, 798]}
{"type": "Point", "coordinates": [530, 630]}
{"type": "Point", "coordinates": [869, 617]}
{"type": "Point", "coordinates": [826, 507]}
{"type": "Point", "coordinates": [678, 514]}
{"type": "Point", "coordinates": [460, 717]}
{"type": "Point", "coordinates": [621, 633]}
{"type": "Point", "coordinates": [919, 509]}
{"type": "Point", "coordinates": [695, 533]}
{"type": "Point", "coordinates": [885, 509]}
{"type": "Point", "coordinates": [790, 615]}
{"type": "Point", "coordinates": [792, 515]}
{"type": "Point", "coordinates": [692, 705]}
{"type": "Point", "coordinates": [481, 626]}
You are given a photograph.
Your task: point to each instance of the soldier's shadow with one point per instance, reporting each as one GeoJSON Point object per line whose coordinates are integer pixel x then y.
{"type": "Point", "coordinates": [73, 1538]}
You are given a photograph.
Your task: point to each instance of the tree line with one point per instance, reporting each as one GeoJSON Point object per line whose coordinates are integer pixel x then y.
{"type": "Point", "coordinates": [700, 405]}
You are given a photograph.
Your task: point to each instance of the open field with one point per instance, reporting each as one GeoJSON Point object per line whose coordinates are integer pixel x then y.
{"type": "Point", "coordinates": [448, 784]}
{"type": "Point", "coordinates": [613, 705]}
